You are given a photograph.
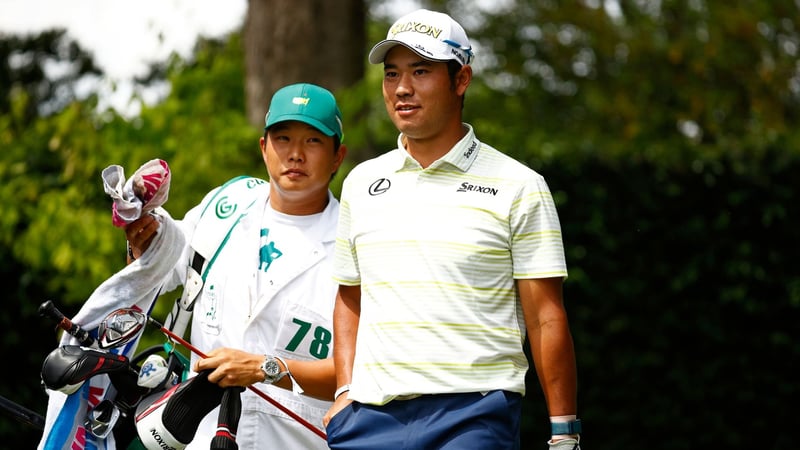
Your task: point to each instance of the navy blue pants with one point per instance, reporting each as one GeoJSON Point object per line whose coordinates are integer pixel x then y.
{"type": "Point", "coordinates": [444, 421]}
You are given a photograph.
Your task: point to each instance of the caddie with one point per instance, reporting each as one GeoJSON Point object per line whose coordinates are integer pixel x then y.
{"type": "Point", "coordinates": [257, 274]}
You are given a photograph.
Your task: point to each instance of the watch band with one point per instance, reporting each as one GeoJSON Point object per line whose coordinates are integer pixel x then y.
{"type": "Point", "coordinates": [571, 427]}
{"type": "Point", "coordinates": [296, 389]}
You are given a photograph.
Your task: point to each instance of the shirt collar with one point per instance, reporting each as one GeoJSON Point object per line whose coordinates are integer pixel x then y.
{"type": "Point", "coordinates": [461, 156]}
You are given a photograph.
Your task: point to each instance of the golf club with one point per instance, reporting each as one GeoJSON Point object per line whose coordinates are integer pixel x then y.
{"type": "Point", "coordinates": [120, 327]}
{"type": "Point", "coordinates": [22, 413]}
{"type": "Point", "coordinates": [101, 419]}
{"type": "Point", "coordinates": [70, 366]}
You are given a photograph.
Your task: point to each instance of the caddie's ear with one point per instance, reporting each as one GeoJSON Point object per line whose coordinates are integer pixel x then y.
{"type": "Point", "coordinates": [262, 144]}
{"type": "Point", "coordinates": [338, 158]}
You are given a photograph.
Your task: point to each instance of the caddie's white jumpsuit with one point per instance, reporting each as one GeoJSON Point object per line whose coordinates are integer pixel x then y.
{"type": "Point", "coordinates": [270, 290]}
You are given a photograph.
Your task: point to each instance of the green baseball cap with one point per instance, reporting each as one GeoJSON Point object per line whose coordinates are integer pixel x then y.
{"type": "Point", "coordinates": [306, 103]}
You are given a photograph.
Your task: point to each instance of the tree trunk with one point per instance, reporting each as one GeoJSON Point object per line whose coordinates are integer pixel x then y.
{"type": "Point", "coordinates": [293, 41]}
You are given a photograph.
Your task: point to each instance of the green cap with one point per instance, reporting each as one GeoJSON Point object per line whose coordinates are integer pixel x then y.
{"type": "Point", "coordinates": [306, 103]}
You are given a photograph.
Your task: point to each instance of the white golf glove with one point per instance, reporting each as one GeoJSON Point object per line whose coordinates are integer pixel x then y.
{"type": "Point", "coordinates": [564, 444]}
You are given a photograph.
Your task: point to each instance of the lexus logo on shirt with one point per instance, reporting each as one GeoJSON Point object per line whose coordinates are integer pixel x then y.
{"type": "Point", "coordinates": [380, 186]}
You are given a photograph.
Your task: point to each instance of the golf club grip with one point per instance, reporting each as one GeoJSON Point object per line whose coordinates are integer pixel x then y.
{"type": "Point", "coordinates": [49, 310]}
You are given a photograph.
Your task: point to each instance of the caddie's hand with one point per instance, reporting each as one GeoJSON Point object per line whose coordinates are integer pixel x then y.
{"type": "Point", "coordinates": [339, 404]}
{"type": "Point", "coordinates": [232, 367]}
{"type": "Point", "coordinates": [140, 234]}
{"type": "Point", "coordinates": [564, 444]}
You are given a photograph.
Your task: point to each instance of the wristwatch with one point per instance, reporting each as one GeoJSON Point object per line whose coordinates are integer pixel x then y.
{"type": "Point", "coordinates": [272, 370]}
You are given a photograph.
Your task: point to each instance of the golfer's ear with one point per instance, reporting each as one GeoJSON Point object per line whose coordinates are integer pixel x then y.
{"type": "Point", "coordinates": [463, 79]}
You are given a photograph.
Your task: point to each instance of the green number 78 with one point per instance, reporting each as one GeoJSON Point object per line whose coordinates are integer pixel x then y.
{"type": "Point", "coordinates": [319, 346]}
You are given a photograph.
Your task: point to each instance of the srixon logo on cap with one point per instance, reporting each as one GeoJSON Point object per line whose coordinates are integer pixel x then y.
{"type": "Point", "coordinates": [416, 27]}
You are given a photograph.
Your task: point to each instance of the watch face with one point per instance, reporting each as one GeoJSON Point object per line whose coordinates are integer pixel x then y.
{"type": "Point", "coordinates": [272, 368]}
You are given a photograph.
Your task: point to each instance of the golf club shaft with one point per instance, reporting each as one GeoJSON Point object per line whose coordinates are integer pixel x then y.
{"type": "Point", "coordinates": [22, 413]}
{"type": "Point", "coordinates": [255, 390]}
{"type": "Point", "coordinates": [49, 310]}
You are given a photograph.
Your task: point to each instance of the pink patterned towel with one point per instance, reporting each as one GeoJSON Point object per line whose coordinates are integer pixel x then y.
{"type": "Point", "coordinates": [145, 191]}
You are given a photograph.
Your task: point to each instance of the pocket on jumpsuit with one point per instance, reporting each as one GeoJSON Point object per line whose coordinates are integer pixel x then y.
{"type": "Point", "coordinates": [209, 310]}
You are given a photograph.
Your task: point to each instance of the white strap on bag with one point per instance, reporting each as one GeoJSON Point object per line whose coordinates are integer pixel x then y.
{"type": "Point", "coordinates": [221, 213]}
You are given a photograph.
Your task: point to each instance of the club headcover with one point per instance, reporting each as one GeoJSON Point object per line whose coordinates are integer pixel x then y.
{"type": "Point", "coordinates": [169, 419]}
{"type": "Point", "coordinates": [68, 366]}
{"type": "Point", "coordinates": [154, 372]}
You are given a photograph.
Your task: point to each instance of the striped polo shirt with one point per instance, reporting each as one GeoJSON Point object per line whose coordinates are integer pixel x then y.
{"type": "Point", "coordinates": [436, 252]}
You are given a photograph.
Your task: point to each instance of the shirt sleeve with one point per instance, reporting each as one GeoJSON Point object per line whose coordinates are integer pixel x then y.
{"type": "Point", "coordinates": [537, 247]}
{"type": "Point", "coordinates": [345, 262]}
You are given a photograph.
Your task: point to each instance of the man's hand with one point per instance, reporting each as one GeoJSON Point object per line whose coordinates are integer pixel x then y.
{"type": "Point", "coordinates": [232, 367]}
{"type": "Point", "coordinates": [140, 234]}
{"type": "Point", "coordinates": [338, 405]}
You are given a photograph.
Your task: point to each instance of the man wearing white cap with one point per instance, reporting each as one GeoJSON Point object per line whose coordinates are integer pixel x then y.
{"type": "Point", "coordinates": [448, 254]}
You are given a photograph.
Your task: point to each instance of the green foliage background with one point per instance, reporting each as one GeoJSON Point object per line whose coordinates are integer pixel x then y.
{"type": "Point", "coordinates": [667, 132]}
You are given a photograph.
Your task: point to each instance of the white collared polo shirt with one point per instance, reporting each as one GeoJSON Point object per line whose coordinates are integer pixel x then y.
{"type": "Point", "coordinates": [436, 252]}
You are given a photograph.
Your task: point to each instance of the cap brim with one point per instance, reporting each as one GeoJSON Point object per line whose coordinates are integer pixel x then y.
{"type": "Point", "coordinates": [378, 53]}
{"type": "Point", "coordinates": [301, 118]}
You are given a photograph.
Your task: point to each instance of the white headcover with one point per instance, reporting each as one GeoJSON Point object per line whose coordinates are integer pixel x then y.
{"type": "Point", "coordinates": [150, 424]}
{"type": "Point", "coordinates": [154, 372]}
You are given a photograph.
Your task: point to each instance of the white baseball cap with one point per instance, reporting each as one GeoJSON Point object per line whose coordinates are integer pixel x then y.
{"type": "Point", "coordinates": [432, 35]}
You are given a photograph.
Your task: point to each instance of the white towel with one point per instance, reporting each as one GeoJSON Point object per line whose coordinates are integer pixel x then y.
{"type": "Point", "coordinates": [138, 283]}
{"type": "Point", "coordinates": [145, 191]}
